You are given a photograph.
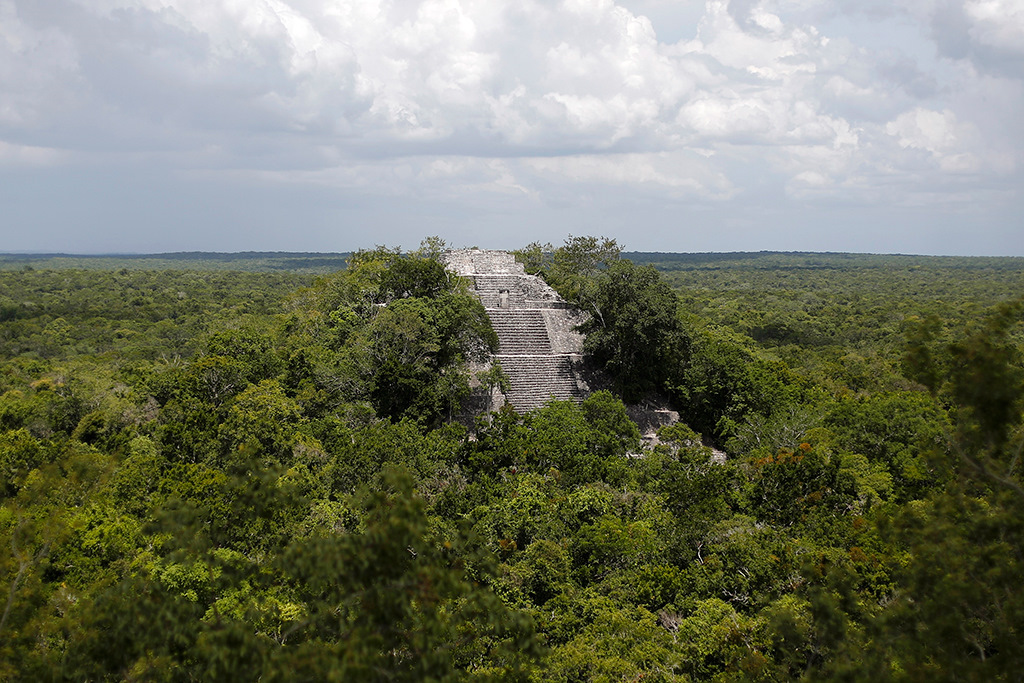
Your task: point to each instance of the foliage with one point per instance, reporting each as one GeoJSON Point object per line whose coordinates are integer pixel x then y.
{"type": "Point", "coordinates": [245, 261]}
{"type": "Point", "coordinates": [396, 330]}
{"type": "Point", "coordinates": [222, 475]}
{"type": "Point", "coordinates": [634, 331]}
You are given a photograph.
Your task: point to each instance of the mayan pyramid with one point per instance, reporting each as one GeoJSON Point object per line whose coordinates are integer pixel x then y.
{"type": "Point", "coordinates": [538, 349]}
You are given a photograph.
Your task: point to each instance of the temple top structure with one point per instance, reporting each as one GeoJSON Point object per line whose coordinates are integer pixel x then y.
{"type": "Point", "coordinates": [468, 262]}
{"type": "Point", "coordinates": [499, 281]}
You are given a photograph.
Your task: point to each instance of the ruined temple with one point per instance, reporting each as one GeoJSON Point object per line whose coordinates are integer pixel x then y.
{"type": "Point", "coordinates": [538, 349]}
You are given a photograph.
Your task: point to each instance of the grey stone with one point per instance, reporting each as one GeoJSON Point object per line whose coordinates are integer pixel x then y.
{"type": "Point", "coordinates": [538, 348]}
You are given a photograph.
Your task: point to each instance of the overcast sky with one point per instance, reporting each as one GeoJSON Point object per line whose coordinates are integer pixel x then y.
{"type": "Point", "coordinates": [671, 125]}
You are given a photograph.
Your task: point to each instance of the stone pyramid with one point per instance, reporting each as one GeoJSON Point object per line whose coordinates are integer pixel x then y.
{"type": "Point", "coordinates": [539, 351]}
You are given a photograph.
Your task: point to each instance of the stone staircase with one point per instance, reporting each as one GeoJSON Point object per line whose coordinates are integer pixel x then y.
{"type": "Point", "coordinates": [520, 331]}
{"type": "Point", "coordinates": [538, 349]}
{"type": "Point", "coordinates": [537, 379]}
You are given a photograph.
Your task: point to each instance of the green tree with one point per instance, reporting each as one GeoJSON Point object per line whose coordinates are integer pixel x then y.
{"type": "Point", "coordinates": [634, 329]}
{"type": "Point", "coordinates": [956, 557]}
{"type": "Point", "coordinates": [898, 430]}
{"type": "Point", "coordinates": [388, 601]}
{"type": "Point", "coordinates": [395, 329]}
{"type": "Point", "coordinates": [574, 268]}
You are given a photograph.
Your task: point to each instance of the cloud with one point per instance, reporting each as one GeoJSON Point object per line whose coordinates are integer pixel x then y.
{"type": "Point", "coordinates": [535, 102]}
{"type": "Point", "coordinates": [36, 66]}
{"type": "Point", "coordinates": [998, 24]}
{"type": "Point", "coordinates": [987, 33]}
{"type": "Point", "coordinates": [938, 133]}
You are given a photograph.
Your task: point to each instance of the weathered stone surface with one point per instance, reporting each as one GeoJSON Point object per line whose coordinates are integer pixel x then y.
{"type": "Point", "coordinates": [538, 349]}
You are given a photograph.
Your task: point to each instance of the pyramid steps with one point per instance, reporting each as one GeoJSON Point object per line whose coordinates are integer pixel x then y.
{"type": "Point", "coordinates": [537, 379]}
{"type": "Point", "coordinates": [526, 349]}
{"type": "Point", "coordinates": [520, 331]}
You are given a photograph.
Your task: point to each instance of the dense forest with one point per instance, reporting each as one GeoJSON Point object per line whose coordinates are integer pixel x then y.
{"type": "Point", "coordinates": [243, 470]}
{"type": "Point", "coordinates": [246, 261]}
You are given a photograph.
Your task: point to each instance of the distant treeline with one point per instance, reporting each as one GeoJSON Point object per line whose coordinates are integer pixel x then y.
{"type": "Point", "coordinates": [325, 262]}
{"type": "Point", "coordinates": [773, 260]}
{"type": "Point", "coordinates": [251, 261]}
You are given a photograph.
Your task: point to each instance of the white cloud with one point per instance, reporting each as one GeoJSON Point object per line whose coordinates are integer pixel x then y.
{"type": "Point", "coordinates": [997, 23]}
{"type": "Point", "coordinates": [940, 134]}
{"type": "Point", "coordinates": [761, 45]}
{"type": "Point", "coordinates": [925, 129]}
{"type": "Point", "coordinates": [677, 174]}
{"type": "Point", "coordinates": [532, 99]}
{"type": "Point", "coordinates": [988, 34]}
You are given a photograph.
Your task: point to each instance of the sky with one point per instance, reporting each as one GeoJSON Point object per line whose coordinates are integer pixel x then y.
{"type": "Point", "coordinates": [142, 126]}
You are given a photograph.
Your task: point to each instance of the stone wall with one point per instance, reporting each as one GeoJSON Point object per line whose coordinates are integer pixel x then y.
{"type": "Point", "coordinates": [482, 261]}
